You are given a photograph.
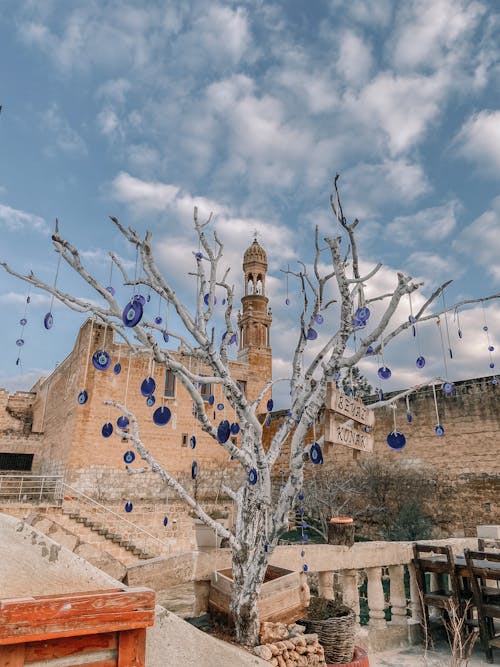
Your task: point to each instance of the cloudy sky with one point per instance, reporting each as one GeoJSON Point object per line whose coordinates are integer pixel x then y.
{"type": "Point", "coordinates": [248, 109]}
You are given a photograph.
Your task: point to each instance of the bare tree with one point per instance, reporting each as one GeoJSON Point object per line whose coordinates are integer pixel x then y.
{"type": "Point", "coordinates": [261, 517]}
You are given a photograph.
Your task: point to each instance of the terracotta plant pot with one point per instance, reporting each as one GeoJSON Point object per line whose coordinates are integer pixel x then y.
{"type": "Point", "coordinates": [359, 659]}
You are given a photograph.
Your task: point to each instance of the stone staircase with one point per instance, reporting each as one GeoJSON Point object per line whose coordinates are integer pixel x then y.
{"type": "Point", "coordinates": [105, 535]}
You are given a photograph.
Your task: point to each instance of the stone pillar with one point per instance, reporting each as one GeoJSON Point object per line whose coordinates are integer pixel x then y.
{"type": "Point", "coordinates": [325, 585]}
{"type": "Point", "coordinates": [415, 621]}
{"type": "Point", "coordinates": [398, 595]}
{"type": "Point", "coordinates": [350, 590]}
{"type": "Point", "coordinates": [376, 602]}
{"type": "Point", "coordinates": [201, 595]}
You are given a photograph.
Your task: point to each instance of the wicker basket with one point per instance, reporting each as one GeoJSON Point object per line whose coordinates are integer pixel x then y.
{"type": "Point", "coordinates": [334, 625]}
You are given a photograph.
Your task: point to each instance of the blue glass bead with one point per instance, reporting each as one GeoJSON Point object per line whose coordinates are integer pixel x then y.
{"type": "Point", "coordinates": [420, 362]}
{"type": "Point", "coordinates": [384, 372]}
{"type": "Point", "coordinates": [439, 430]}
{"type": "Point", "coordinates": [128, 507]}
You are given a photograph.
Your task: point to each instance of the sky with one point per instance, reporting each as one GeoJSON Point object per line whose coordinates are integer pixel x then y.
{"type": "Point", "coordinates": [249, 109]}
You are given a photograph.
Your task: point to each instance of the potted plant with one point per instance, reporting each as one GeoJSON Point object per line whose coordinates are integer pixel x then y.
{"type": "Point", "coordinates": [335, 624]}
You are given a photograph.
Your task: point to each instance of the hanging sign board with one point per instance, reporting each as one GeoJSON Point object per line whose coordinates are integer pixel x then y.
{"type": "Point", "coordinates": [348, 406]}
{"type": "Point", "coordinates": [345, 434]}
{"type": "Point", "coordinates": [341, 408]}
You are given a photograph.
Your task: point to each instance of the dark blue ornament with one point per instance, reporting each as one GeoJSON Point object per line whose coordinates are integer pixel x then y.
{"type": "Point", "coordinates": [420, 362]}
{"type": "Point", "coordinates": [148, 386]}
{"type": "Point", "coordinates": [206, 299]}
{"type": "Point", "coordinates": [165, 521]}
{"type": "Point", "coordinates": [319, 319]}
{"type": "Point", "coordinates": [411, 319]}
{"type": "Point", "coordinates": [150, 401]}
{"type": "Point", "coordinates": [270, 405]}
{"type": "Point", "coordinates": [129, 457]}
{"type": "Point", "coordinates": [485, 328]}
{"type": "Point", "coordinates": [304, 537]}
{"type": "Point", "coordinates": [235, 428]}
{"type": "Point", "coordinates": [194, 470]}
{"type": "Point", "coordinates": [19, 342]}
{"type": "Point", "coordinates": [192, 441]}
{"type": "Point", "coordinates": [301, 496]}
{"type": "Point", "coordinates": [158, 319]}
{"type": "Point", "coordinates": [223, 431]}
{"type": "Point", "coordinates": [220, 406]}
{"type": "Point", "coordinates": [409, 417]}
{"type": "Point", "coordinates": [166, 337]}
{"type": "Point", "coordinates": [315, 453]}
{"type": "Point", "coordinates": [117, 369]}
{"type": "Point", "coordinates": [301, 511]}
{"type": "Point", "coordinates": [287, 301]}
{"type": "Point", "coordinates": [23, 321]}
{"type": "Point", "coordinates": [138, 298]}
{"type": "Point", "coordinates": [492, 365]}
{"type": "Point", "coordinates": [132, 313]}
{"type": "Point", "coordinates": [48, 321]}
{"type": "Point", "coordinates": [448, 387]}
{"type": "Point", "coordinates": [161, 415]}
{"type": "Point", "coordinates": [233, 339]}
{"type": "Point", "coordinates": [128, 507]}
{"type": "Point", "coordinates": [362, 314]}
{"type": "Point", "coordinates": [252, 476]}
{"type": "Point", "coordinates": [439, 430]}
{"type": "Point", "coordinates": [312, 334]}
{"type": "Point", "coordinates": [267, 421]}
{"type": "Point", "coordinates": [101, 360]}
{"type": "Point", "coordinates": [396, 440]}
{"type": "Point", "coordinates": [490, 348]}
{"type": "Point", "coordinates": [107, 430]}
{"type": "Point", "coordinates": [267, 547]}
{"type": "Point", "coordinates": [369, 350]}
{"type": "Point", "coordinates": [83, 397]}
{"type": "Point", "coordinates": [211, 400]}
{"type": "Point", "coordinates": [494, 380]}
{"type": "Point", "coordinates": [304, 567]}
{"type": "Point", "coordinates": [198, 255]}
{"type": "Point", "coordinates": [384, 373]}
{"type": "Point", "coordinates": [459, 333]}
{"type": "Point", "coordinates": [302, 553]}
{"type": "Point", "coordinates": [111, 290]}
{"type": "Point", "coordinates": [122, 422]}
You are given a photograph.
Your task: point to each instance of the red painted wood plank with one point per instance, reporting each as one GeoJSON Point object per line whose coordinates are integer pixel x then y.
{"type": "Point", "coordinates": [132, 648]}
{"type": "Point", "coordinates": [63, 646]}
{"type": "Point", "coordinates": [12, 656]}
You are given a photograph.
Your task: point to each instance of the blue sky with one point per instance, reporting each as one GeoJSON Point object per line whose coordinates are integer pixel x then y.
{"type": "Point", "coordinates": [141, 110]}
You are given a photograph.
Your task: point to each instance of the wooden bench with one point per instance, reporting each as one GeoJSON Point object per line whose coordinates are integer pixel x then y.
{"type": "Point", "coordinates": [105, 628]}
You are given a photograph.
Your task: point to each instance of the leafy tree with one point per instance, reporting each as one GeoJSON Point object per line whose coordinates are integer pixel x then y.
{"type": "Point", "coordinates": [261, 517]}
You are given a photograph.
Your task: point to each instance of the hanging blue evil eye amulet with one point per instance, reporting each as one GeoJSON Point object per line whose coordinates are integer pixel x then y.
{"type": "Point", "coordinates": [132, 313]}
{"type": "Point", "coordinates": [384, 372]}
{"type": "Point", "coordinates": [420, 362]}
{"type": "Point", "coordinates": [439, 430]}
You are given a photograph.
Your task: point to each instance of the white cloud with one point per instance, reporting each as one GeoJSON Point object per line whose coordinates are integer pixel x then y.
{"type": "Point", "coordinates": [401, 106]}
{"type": "Point", "coordinates": [430, 224]}
{"type": "Point", "coordinates": [480, 241]}
{"type": "Point", "coordinates": [355, 59]}
{"type": "Point", "coordinates": [369, 186]}
{"type": "Point", "coordinates": [19, 299]}
{"type": "Point", "coordinates": [16, 220]}
{"type": "Point", "coordinates": [143, 196]}
{"type": "Point", "coordinates": [64, 137]}
{"type": "Point", "coordinates": [366, 12]}
{"type": "Point", "coordinates": [432, 266]}
{"type": "Point", "coordinates": [114, 90]}
{"type": "Point", "coordinates": [429, 29]}
{"type": "Point", "coordinates": [479, 141]}
{"type": "Point", "coordinates": [108, 122]}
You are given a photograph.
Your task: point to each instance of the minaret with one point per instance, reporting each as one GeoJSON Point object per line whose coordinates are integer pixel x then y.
{"type": "Point", "coordinates": [255, 321]}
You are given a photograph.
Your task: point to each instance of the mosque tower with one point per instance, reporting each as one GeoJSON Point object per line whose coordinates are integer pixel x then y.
{"type": "Point", "coordinates": [255, 319]}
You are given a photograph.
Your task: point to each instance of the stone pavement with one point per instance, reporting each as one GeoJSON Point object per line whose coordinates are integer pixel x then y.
{"type": "Point", "coordinates": [439, 656]}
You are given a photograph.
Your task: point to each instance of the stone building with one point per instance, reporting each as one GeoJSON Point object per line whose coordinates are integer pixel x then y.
{"type": "Point", "coordinates": [47, 431]}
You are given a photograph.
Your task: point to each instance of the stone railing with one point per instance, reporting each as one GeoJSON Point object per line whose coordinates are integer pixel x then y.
{"type": "Point", "coordinates": [348, 566]}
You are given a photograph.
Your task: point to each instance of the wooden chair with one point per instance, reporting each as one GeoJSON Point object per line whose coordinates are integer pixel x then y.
{"type": "Point", "coordinates": [484, 567]}
{"type": "Point", "coordinates": [437, 560]}
{"type": "Point", "coordinates": [488, 544]}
